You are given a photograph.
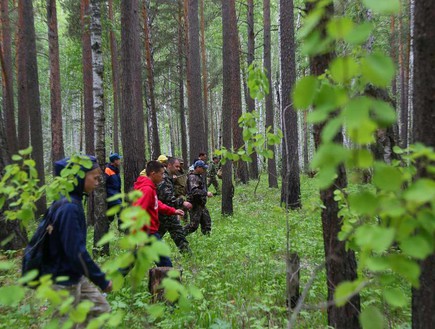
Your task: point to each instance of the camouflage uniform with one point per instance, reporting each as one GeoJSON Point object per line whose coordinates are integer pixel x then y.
{"type": "Point", "coordinates": [171, 224]}
{"type": "Point", "coordinates": [180, 184]}
{"type": "Point", "coordinates": [211, 176]}
{"type": "Point", "coordinates": [197, 196]}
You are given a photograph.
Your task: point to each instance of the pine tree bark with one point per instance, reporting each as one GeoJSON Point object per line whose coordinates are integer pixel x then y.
{"type": "Point", "coordinates": [291, 190]}
{"type": "Point", "coordinates": [231, 97]}
{"type": "Point", "coordinates": [31, 90]}
{"type": "Point", "coordinates": [132, 116]}
{"type": "Point", "coordinates": [57, 150]}
{"type": "Point", "coordinates": [204, 74]}
{"type": "Point", "coordinates": [152, 113]}
{"type": "Point", "coordinates": [403, 87]}
{"type": "Point", "coordinates": [7, 79]}
{"type": "Point", "coordinates": [195, 102]}
{"type": "Point", "coordinates": [250, 102]}
{"type": "Point", "coordinates": [423, 302]}
{"type": "Point", "coordinates": [115, 78]}
{"type": "Point", "coordinates": [340, 263]}
{"type": "Point", "coordinates": [271, 163]}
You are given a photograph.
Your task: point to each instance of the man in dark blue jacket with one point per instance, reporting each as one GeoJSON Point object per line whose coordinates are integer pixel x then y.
{"type": "Point", "coordinates": [113, 182]}
{"type": "Point", "coordinates": [67, 254]}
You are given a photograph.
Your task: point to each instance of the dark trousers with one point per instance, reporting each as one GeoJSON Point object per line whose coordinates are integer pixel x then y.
{"type": "Point", "coordinates": [213, 181]}
{"type": "Point", "coordinates": [172, 225]}
{"type": "Point", "coordinates": [199, 215]}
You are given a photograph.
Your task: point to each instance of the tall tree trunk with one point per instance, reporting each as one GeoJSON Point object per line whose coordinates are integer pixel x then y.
{"type": "Point", "coordinates": [196, 114]}
{"type": "Point", "coordinates": [132, 131]}
{"type": "Point", "coordinates": [8, 79]}
{"type": "Point", "coordinates": [403, 86]}
{"type": "Point", "coordinates": [9, 230]}
{"type": "Point", "coordinates": [423, 301]}
{"type": "Point", "coordinates": [100, 207]}
{"type": "Point", "coordinates": [57, 150]}
{"type": "Point", "coordinates": [115, 79]}
{"type": "Point", "coordinates": [204, 74]}
{"type": "Point", "coordinates": [340, 263]}
{"type": "Point", "coordinates": [87, 77]}
{"type": "Point", "coordinates": [181, 63]}
{"type": "Point", "coordinates": [271, 163]}
{"type": "Point", "coordinates": [250, 102]}
{"type": "Point", "coordinates": [152, 114]}
{"type": "Point", "coordinates": [31, 90]}
{"type": "Point", "coordinates": [291, 190]}
{"type": "Point", "coordinates": [229, 71]}
{"type": "Point", "coordinates": [241, 167]}
{"type": "Point", "coordinates": [23, 107]}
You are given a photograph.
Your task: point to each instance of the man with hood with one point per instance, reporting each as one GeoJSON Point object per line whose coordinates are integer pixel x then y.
{"type": "Point", "coordinates": [113, 182]}
{"type": "Point", "coordinates": [67, 255]}
{"type": "Point", "coordinates": [153, 206]}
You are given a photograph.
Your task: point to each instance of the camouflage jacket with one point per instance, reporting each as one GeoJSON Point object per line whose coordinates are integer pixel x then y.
{"type": "Point", "coordinates": [196, 190]}
{"type": "Point", "coordinates": [180, 184]}
{"type": "Point", "coordinates": [212, 169]}
{"type": "Point", "coordinates": [166, 192]}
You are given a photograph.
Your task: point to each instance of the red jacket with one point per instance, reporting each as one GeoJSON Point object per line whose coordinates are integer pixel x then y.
{"type": "Point", "coordinates": [150, 203]}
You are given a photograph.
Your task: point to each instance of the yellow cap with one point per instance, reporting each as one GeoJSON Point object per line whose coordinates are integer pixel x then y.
{"type": "Point", "coordinates": [162, 158]}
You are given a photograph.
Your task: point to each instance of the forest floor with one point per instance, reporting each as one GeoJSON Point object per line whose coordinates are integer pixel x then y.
{"type": "Point", "coordinates": [240, 270]}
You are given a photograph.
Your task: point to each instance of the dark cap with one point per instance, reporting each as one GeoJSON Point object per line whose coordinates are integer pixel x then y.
{"type": "Point", "coordinates": [200, 164]}
{"type": "Point", "coordinates": [114, 156]}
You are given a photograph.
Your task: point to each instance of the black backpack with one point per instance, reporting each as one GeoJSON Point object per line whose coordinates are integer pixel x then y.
{"type": "Point", "coordinates": [36, 252]}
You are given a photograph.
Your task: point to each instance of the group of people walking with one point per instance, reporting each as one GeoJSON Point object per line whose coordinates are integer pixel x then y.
{"type": "Point", "coordinates": [168, 194]}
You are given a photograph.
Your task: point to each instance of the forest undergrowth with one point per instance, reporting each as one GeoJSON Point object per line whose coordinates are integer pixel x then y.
{"type": "Point", "coordinates": [239, 269]}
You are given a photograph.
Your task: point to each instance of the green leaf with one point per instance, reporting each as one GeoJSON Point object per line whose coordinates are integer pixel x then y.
{"type": "Point", "coordinates": [364, 203]}
{"type": "Point", "coordinates": [386, 7]}
{"type": "Point", "coordinates": [395, 297]}
{"type": "Point", "coordinates": [156, 311]}
{"type": "Point", "coordinates": [421, 191]}
{"type": "Point", "coordinates": [106, 239]}
{"type": "Point", "coordinates": [377, 68]}
{"type": "Point", "coordinates": [331, 129]}
{"type": "Point", "coordinates": [114, 210]}
{"type": "Point", "coordinates": [417, 247]}
{"type": "Point", "coordinates": [304, 92]}
{"type": "Point", "coordinates": [26, 151]}
{"type": "Point", "coordinates": [339, 27]}
{"type": "Point", "coordinates": [359, 34]}
{"type": "Point", "coordinates": [344, 69]}
{"type": "Point", "coordinates": [16, 157]}
{"type": "Point", "coordinates": [407, 268]}
{"type": "Point", "coordinates": [387, 178]}
{"type": "Point", "coordinates": [383, 113]}
{"type": "Point", "coordinates": [377, 264]}
{"type": "Point", "coordinates": [372, 318]}
{"type": "Point", "coordinates": [4, 266]}
{"type": "Point", "coordinates": [376, 238]}
{"type": "Point", "coordinates": [344, 290]}
{"type": "Point", "coordinates": [11, 295]}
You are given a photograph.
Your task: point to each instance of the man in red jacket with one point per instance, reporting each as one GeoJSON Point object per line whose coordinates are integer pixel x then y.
{"type": "Point", "coordinates": [149, 201]}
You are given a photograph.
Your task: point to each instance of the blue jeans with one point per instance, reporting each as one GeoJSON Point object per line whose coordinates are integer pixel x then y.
{"type": "Point", "coordinates": [164, 261]}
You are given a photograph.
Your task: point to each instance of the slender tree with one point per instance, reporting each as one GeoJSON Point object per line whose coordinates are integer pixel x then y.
{"type": "Point", "coordinates": [7, 78]}
{"type": "Point", "coordinates": [271, 162]}
{"type": "Point", "coordinates": [101, 220]}
{"type": "Point", "coordinates": [132, 116]}
{"type": "Point", "coordinates": [291, 191]}
{"type": "Point", "coordinates": [31, 88]}
{"type": "Point", "coordinates": [152, 110]}
{"type": "Point", "coordinates": [204, 71]}
{"type": "Point", "coordinates": [181, 64]}
{"type": "Point", "coordinates": [196, 115]}
{"type": "Point", "coordinates": [423, 302]}
{"type": "Point", "coordinates": [87, 77]}
{"type": "Point", "coordinates": [115, 78]}
{"type": "Point", "coordinates": [57, 150]}
{"type": "Point", "coordinates": [340, 263]}
{"type": "Point", "coordinates": [250, 102]}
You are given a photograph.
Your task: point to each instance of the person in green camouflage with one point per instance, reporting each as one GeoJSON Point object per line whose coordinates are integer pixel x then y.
{"type": "Point", "coordinates": [212, 174]}
{"type": "Point", "coordinates": [166, 194]}
{"type": "Point", "coordinates": [197, 195]}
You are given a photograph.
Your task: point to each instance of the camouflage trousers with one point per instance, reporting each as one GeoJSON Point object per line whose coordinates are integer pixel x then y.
{"type": "Point", "coordinates": [213, 181]}
{"type": "Point", "coordinates": [199, 215]}
{"type": "Point", "coordinates": [172, 225]}
{"type": "Point", "coordinates": [85, 290]}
